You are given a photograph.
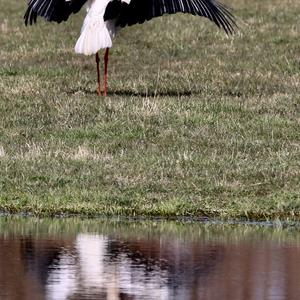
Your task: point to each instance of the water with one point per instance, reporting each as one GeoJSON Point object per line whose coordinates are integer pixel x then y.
{"type": "Point", "coordinates": [101, 259]}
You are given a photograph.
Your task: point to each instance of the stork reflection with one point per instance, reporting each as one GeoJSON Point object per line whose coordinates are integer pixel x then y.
{"type": "Point", "coordinates": [142, 262]}
{"type": "Point", "coordinates": [135, 269]}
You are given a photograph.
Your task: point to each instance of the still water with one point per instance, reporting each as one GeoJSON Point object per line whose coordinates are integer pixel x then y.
{"type": "Point", "coordinates": [102, 259]}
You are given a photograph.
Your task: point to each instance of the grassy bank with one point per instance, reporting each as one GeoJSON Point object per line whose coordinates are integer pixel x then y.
{"type": "Point", "coordinates": [195, 124]}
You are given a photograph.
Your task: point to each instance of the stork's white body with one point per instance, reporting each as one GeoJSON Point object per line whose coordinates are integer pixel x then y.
{"type": "Point", "coordinates": [96, 33]}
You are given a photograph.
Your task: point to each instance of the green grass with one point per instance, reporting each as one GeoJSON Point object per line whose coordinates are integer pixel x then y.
{"type": "Point", "coordinates": [196, 123]}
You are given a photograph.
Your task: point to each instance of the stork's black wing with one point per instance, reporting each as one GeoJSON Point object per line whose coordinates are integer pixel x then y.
{"type": "Point", "coordinates": [52, 10]}
{"type": "Point", "coordinates": [139, 11]}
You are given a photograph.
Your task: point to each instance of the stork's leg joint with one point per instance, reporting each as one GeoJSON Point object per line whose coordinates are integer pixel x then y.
{"type": "Point", "coordinates": [98, 74]}
{"type": "Point", "coordinates": [106, 71]}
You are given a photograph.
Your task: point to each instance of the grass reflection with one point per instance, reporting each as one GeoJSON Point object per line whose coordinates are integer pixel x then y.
{"type": "Point", "coordinates": [163, 229]}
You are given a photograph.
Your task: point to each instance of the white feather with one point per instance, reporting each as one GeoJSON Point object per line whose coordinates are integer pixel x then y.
{"type": "Point", "coordinates": [96, 34]}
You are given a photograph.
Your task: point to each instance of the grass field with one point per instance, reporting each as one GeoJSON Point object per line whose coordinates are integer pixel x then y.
{"type": "Point", "coordinates": [196, 123]}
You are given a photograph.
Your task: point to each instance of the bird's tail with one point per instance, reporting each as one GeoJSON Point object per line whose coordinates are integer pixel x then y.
{"type": "Point", "coordinates": [94, 36]}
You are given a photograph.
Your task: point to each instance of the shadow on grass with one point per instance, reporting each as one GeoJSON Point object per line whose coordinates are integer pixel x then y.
{"type": "Point", "coordinates": [151, 94]}
{"type": "Point", "coordinates": [130, 93]}
{"type": "Point", "coordinates": [154, 94]}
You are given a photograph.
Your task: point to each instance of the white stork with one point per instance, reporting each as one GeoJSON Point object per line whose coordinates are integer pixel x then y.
{"type": "Point", "coordinates": [104, 17]}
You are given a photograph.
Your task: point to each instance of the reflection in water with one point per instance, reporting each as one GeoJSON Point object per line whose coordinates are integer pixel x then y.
{"type": "Point", "coordinates": [42, 259]}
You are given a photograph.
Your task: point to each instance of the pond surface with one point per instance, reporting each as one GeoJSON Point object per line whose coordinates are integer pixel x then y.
{"type": "Point", "coordinates": [101, 259]}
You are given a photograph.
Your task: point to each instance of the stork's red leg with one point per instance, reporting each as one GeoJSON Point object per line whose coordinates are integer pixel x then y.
{"type": "Point", "coordinates": [105, 70]}
{"type": "Point", "coordinates": [98, 74]}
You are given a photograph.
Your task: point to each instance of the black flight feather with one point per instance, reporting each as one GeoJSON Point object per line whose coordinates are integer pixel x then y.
{"type": "Point", "coordinates": [139, 11]}
{"type": "Point", "coordinates": [52, 10]}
